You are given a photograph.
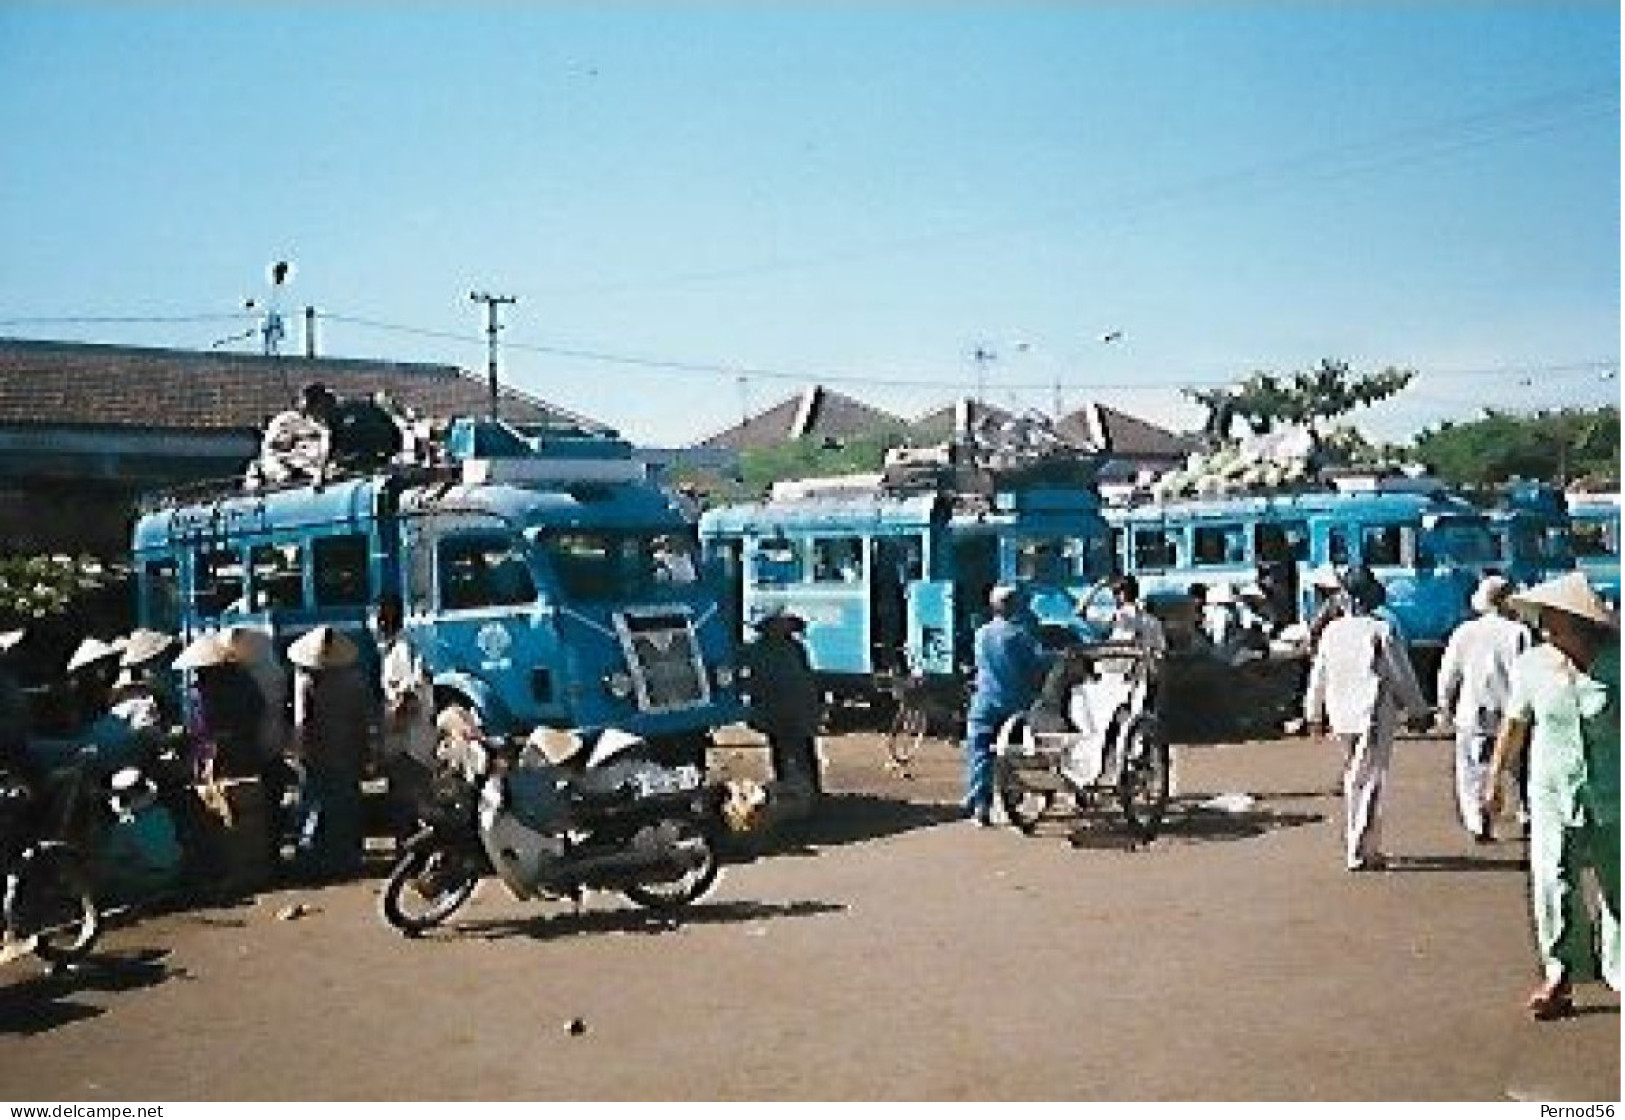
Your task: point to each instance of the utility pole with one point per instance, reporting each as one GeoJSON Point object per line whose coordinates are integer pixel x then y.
{"type": "Point", "coordinates": [982, 356]}
{"type": "Point", "coordinates": [491, 328]}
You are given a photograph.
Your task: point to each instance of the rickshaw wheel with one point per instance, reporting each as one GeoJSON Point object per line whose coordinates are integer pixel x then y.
{"type": "Point", "coordinates": [1023, 805]}
{"type": "Point", "coordinates": [1142, 790]}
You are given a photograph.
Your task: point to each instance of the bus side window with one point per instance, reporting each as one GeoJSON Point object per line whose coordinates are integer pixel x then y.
{"type": "Point", "coordinates": [776, 561]}
{"type": "Point", "coordinates": [1289, 542]}
{"type": "Point", "coordinates": [837, 560]}
{"type": "Point", "coordinates": [482, 572]}
{"type": "Point", "coordinates": [161, 596]}
{"type": "Point", "coordinates": [1219, 544]}
{"type": "Point", "coordinates": [1380, 546]}
{"type": "Point", "coordinates": [277, 571]}
{"type": "Point", "coordinates": [1337, 547]}
{"type": "Point", "coordinates": [1156, 549]}
{"type": "Point", "coordinates": [340, 568]}
{"type": "Point", "coordinates": [218, 578]}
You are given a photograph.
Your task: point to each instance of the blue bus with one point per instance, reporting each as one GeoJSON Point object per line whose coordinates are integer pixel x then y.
{"type": "Point", "coordinates": [548, 581]}
{"type": "Point", "coordinates": [892, 581]}
{"type": "Point", "coordinates": [1594, 535]}
{"type": "Point", "coordinates": [1429, 548]}
{"type": "Point", "coordinates": [1532, 531]}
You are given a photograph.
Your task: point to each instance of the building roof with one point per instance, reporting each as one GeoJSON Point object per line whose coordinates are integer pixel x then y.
{"type": "Point", "coordinates": [816, 412]}
{"type": "Point", "coordinates": [54, 384]}
{"type": "Point", "coordinates": [1123, 436]}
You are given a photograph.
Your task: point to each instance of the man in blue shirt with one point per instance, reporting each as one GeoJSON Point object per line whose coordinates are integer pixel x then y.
{"type": "Point", "coordinates": [1010, 667]}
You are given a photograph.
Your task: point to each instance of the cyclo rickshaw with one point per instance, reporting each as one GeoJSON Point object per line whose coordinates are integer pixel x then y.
{"type": "Point", "coordinates": [1092, 737]}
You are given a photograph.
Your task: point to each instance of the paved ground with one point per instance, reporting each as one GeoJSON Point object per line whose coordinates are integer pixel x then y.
{"type": "Point", "coordinates": [892, 952]}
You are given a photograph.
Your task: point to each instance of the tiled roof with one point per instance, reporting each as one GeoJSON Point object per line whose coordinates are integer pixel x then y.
{"type": "Point", "coordinates": [69, 383]}
{"type": "Point", "coordinates": [1126, 436]}
{"type": "Point", "coordinates": [816, 413]}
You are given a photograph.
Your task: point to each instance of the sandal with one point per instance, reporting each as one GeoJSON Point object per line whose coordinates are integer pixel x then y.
{"type": "Point", "coordinates": [1553, 1002]}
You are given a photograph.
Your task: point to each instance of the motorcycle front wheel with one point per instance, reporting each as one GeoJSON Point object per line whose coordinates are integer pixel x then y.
{"type": "Point", "coordinates": [427, 885]}
{"type": "Point", "coordinates": [699, 872]}
{"type": "Point", "coordinates": [49, 898]}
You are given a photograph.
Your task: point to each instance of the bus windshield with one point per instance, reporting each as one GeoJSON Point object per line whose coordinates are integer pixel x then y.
{"type": "Point", "coordinates": [596, 565]}
{"type": "Point", "coordinates": [1060, 560]}
{"type": "Point", "coordinates": [1463, 540]}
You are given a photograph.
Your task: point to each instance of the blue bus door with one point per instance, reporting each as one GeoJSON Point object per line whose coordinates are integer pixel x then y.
{"type": "Point", "coordinates": [931, 627]}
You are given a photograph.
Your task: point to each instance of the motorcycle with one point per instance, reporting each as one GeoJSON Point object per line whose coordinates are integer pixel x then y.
{"type": "Point", "coordinates": [49, 907]}
{"type": "Point", "coordinates": [556, 818]}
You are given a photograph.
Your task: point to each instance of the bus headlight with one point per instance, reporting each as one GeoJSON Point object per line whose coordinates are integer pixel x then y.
{"type": "Point", "coordinates": [618, 685]}
{"type": "Point", "coordinates": [725, 676]}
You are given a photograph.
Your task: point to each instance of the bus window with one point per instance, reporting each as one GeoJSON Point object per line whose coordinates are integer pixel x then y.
{"type": "Point", "coordinates": [837, 560]}
{"type": "Point", "coordinates": [1589, 539]}
{"type": "Point", "coordinates": [1461, 540]}
{"type": "Point", "coordinates": [1046, 560]}
{"type": "Point", "coordinates": [278, 576]}
{"type": "Point", "coordinates": [776, 561]}
{"type": "Point", "coordinates": [340, 568]}
{"type": "Point", "coordinates": [1219, 544]}
{"type": "Point", "coordinates": [490, 572]}
{"type": "Point", "coordinates": [161, 595]}
{"type": "Point", "coordinates": [1337, 547]}
{"type": "Point", "coordinates": [218, 578]}
{"type": "Point", "coordinates": [1383, 546]}
{"type": "Point", "coordinates": [1282, 540]}
{"type": "Point", "coordinates": [1156, 548]}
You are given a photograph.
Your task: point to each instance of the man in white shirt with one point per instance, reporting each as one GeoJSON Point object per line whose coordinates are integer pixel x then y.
{"type": "Point", "coordinates": [1361, 682]}
{"type": "Point", "coordinates": [1475, 678]}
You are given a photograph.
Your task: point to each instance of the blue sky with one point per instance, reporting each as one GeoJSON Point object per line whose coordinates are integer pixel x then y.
{"type": "Point", "coordinates": [702, 207]}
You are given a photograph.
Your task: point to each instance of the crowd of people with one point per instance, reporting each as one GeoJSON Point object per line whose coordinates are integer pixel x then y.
{"type": "Point", "coordinates": [1532, 679]}
{"type": "Point", "coordinates": [173, 731]}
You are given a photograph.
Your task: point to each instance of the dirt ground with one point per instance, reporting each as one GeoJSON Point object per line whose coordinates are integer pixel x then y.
{"type": "Point", "coordinates": [887, 951]}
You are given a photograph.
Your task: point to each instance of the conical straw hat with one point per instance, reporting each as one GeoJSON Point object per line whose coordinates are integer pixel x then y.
{"type": "Point", "coordinates": [1571, 594]}
{"type": "Point", "coordinates": [204, 651]}
{"type": "Point", "coordinates": [90, 651]}
{"type": "Point", "coordinates": [322, 648]}
{"type": "Point", "coordinates": [143, 646]}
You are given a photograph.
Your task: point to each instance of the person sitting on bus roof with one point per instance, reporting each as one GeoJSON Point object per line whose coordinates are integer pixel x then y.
{"type": "Point", "coordinates": [297, 443]}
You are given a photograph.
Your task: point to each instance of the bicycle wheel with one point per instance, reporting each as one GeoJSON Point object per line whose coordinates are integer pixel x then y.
{"type": "Point", "coordinates": [908, 729]}
{"type": "Point", "coordinates": [51, 901]}
{"type": "Point", "coordinates": [1142, 788]}
{"type": "Point", "coordinates": [1023, 804]}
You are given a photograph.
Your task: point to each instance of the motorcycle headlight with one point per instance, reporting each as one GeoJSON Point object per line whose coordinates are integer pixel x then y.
{"type": "Point", "coordinates": [725, 676]}
{"type": "Point", "coordinates": [618, 685]}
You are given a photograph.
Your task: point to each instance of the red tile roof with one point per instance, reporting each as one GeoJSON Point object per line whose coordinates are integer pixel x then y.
{"type": "Point", "coordinates": [68, 383]}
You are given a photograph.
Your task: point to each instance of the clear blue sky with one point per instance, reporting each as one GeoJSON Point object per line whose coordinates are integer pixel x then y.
{"type": "Point", "coordinates": [853, 192]}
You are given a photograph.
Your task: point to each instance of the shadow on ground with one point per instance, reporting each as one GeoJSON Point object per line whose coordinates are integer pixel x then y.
{"type": "Point", "coordinates": [44, 1001]}
{"type": "Point", "coordinates": [625, 920]}
{"type": "Point", "coordinates": [840, 818]}
{"type": "Point", "coordinates": [1102, 827]}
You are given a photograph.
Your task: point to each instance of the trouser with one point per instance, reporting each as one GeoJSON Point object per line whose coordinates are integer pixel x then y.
{"type": "Point", "coordinates": [408, 782]}
{"type": "Point", "coordinates": [1368, 754]}
{"type": "Point", "coordinates": [979, 739]}
{"type": "Point", "coordinates": [1473, 750]}
{"type": "Point", "coordinates": [795, 762]}
{"type": "Point", "coordinates": [1570, 944]}
{"type": "Point", "coordinates": [329, 839]}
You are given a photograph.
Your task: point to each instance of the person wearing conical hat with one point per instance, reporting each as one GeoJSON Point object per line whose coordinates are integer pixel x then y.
{"type": "Point", "coordinates": [14, 723]}
{"type": "Point", "coordinates": [1475, 676]}
{"type": "Point", "coordinates": [145, 692]}
{"type": "Point", "coordinates": [332, 709]}
{"type": "Point", "coordinates": [1564, 711]}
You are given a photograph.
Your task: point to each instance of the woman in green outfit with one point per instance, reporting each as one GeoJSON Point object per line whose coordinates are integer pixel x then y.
{"type": "Point", "coordinates": [1564, 709]}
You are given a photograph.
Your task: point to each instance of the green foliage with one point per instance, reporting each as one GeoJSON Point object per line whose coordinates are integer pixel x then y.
{"type": "Point", "coordinates": [760, 467]}
{"type": "Point", "coordinates": [1548, 446]}
{"type": "Point", "coordinates": [1304, 397]}
{"type": "Point", "coordinates": [36, 588]}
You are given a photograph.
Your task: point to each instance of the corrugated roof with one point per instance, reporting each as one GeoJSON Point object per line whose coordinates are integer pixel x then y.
{"type": "Point", "coordinates": [45, 383]}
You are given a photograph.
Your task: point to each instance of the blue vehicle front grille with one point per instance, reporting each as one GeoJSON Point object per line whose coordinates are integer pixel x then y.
{"type": "Point", "coordinates": [665, 663]}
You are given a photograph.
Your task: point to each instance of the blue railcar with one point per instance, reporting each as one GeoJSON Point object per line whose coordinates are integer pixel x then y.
{"type": "Point", "coordinates": [1428, 547]}
{"type": "Point", "coordinates": [548, 581]}
{"type": "Point", "coordinates": [894, 582]}
{"type": "Point", "coordinates": [1594, 534]}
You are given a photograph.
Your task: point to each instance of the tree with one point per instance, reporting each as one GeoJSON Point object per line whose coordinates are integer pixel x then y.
{"type": "Point", "coordinates": [761, 467]}
{"type": "Point", "coordinates": [1305, 397]}
{"type": "Point", "coordinates": [1547, 446]}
